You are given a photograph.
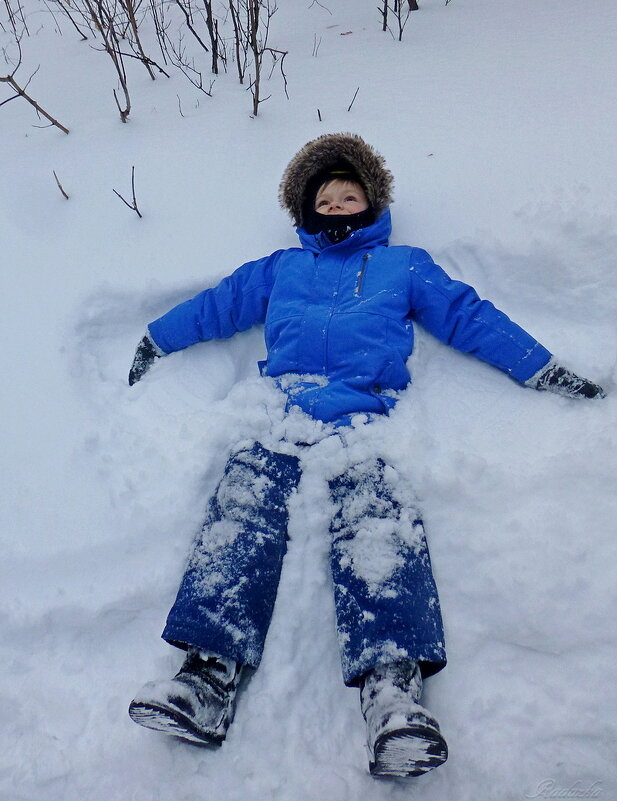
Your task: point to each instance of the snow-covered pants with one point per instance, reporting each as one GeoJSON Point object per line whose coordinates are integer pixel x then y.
{"type": "Point", "coordinates": [387, 607]}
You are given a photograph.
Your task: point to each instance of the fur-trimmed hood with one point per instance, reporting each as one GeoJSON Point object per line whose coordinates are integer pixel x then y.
{"type": "Point", "coordinates": [325, 151]}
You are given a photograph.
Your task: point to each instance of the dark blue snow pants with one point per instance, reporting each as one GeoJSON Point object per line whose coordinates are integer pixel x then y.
{"type": "Point", "coordinates": [387, 607]}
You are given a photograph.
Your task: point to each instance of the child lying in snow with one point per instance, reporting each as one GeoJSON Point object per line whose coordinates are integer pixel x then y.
{"type": "Point", "coordinates": [338, 315]}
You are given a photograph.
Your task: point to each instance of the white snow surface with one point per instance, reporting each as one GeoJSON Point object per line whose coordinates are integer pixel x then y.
{"type": "Point", "coordinates": [498, 120]}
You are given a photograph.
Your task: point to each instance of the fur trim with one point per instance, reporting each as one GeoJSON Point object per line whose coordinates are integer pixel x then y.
{"type": "Point", "coordinates": [326, 150]}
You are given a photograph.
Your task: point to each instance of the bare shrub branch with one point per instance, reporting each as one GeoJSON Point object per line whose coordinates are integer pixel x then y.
{"type": "Point", "coordinates": [179, 58]}
{"type": "Point", "coordinates": [384, 15]}
{"type": "Point", "coordinates": [130, 9]}
{"type": "Point", "coordinates": [64, 194]}
{"type": "Point", "coordinates": [16, 18]}
{"type": "Point", "coordinates": [401, 10]}
{"type": "Point", "coordinates": [258, 32]}
{"type": "Point", "coordinates": [20, 91]}
{"type": "Point", "coordinates": [185, 30]}
{"type": "Point", "coordinates": [132, 205]}
{"type": "Point", "coordinates": [315, 3]}
{"type": "Point", "coordinates": [186, 10]}
{"type": "Point", "coordinates": [103, 15]}
{"type": "Point", "coordinates": [217, 45]}
{"type": "Point", "coordinates": [110, 22]}
{"type": "Point", "coordinates": [241, 36]}
{"type": "Point", "coordinates": [353, 100]}
{"type": "Point", "coordinates": [69, 16]}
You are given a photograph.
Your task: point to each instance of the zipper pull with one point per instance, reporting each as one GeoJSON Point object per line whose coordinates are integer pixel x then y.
{"type": "Point", "coordinates": [357, 291]}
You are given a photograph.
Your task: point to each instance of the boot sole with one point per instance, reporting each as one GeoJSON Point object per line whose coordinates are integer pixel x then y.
{"type": "Point", "coordinates": [170, 721]}
{"type": "Point", "coordinates": [410, 751]}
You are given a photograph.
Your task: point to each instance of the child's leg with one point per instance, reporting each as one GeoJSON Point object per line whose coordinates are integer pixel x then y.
{"type": "Point", "coordinates": [226, 598]}
{"type": "Point", "coordinates": [387, 605]}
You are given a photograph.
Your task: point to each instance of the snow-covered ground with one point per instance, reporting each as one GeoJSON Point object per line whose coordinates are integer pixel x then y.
{"type": "Point", "coordinates": [498, 120]}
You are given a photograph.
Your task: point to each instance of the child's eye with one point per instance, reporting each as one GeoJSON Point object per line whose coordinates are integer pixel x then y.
{"type": "Point", "coordinates": [351, 197]}
{"type": "Point", "coordinates": [322, 203]}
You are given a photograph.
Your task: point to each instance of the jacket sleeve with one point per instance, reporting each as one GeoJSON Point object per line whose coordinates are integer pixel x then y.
{"type": "Point", "coordinates": [238, 302]}
{"type": "Point", "coordinates": [453, 312]}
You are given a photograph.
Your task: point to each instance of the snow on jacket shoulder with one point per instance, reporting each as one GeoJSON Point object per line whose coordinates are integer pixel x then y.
{"type": "Point", "coordinates": [338, 320]}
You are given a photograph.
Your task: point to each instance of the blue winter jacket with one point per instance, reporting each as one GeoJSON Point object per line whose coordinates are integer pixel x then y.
{"type": "Point", "coordinates": [338, 320]}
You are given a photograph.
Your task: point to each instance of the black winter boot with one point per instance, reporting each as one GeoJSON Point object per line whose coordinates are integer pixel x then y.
{"type": "Point", "coordinates": [403, 738]}
{"type": "Point", "coordinates": [197, 705]}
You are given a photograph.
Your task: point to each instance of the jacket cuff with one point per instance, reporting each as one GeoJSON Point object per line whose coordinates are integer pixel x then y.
{"type": "Point", "coordinates": [535, 360]}
{"type": "Point", "coordinates": [155, 347]}
{"type": "Point", "coordinates": [534, 379]}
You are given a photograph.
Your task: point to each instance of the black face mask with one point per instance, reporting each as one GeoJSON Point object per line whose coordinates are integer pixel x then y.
{"type": "Point", "coordinates": [337, 227]}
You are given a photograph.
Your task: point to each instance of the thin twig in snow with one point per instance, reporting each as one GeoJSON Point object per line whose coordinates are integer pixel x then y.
{"type": "Point", "coordinates": [315, 3]}
{"type": "Point", "coordinates": [60, 187]}
{"type": "Point", "coordinates": [132, 205]}
{"type": "Point", "coordinates": [353, 99]}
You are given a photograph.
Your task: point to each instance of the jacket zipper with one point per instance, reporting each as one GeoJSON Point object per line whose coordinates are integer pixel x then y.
{"type": "Point", "coordinates": [358, 290]}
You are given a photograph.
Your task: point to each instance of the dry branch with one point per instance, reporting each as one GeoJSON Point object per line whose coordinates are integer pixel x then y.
{"type": "Point", "coordinates": [132, 205]}
{"type": "Point", "coordinates": [177, 55]}
{"type": "Point", "coordinates": [353, 100]}
{"type": "Point", "coordinates": [68, 14]}
{"type": "Point", "coordinates": [20, 91]}
{"type": "Point", "coordinates": [130, 10]}
{"type": "Point", "coordinates": [241, 39]}
{"type": "Point", "coordinates": [216, 42]}
{"type": "Point", "coordinates": [60, 187]}
{"type": "Point", "coordinates": [401, 9]}
{"type": "Point", "coordinates": [258, 32]}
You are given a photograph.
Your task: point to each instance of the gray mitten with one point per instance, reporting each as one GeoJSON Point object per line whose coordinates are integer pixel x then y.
{"type": "Point", "coordinates": [147, 351]}
{"type": "Point", "coordinates": [555, 378]}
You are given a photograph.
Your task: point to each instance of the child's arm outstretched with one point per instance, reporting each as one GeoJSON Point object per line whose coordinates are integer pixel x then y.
{"type": "Point", "coordinates": [453, 312]}
{"type": "Point", "coordinates": [238, 302]}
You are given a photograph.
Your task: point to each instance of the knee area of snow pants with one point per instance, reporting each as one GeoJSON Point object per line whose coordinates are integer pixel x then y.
{"type": "Point", "coordinates": [226, 598]}
{"type": "Point", "coordinates": [387, 606]}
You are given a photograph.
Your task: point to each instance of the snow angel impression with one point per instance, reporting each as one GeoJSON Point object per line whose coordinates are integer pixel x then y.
{"type": "Point", "coordinates": [338, 314]}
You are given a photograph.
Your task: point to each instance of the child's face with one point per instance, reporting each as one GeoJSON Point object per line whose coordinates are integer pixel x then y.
{"type": "Point", "coordinates": [341, 197]}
